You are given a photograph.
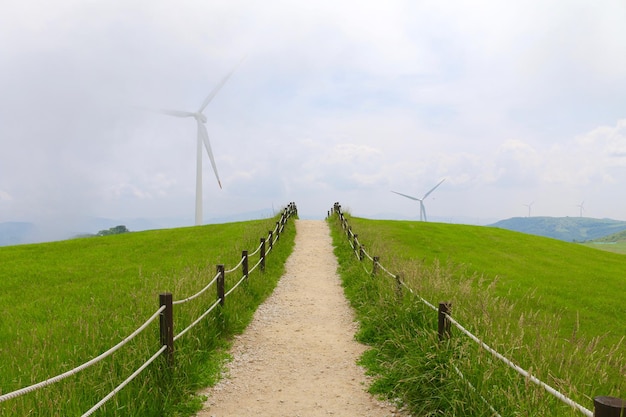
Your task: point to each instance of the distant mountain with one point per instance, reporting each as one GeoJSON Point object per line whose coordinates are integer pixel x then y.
{"type": "Point", "coordinates": [14, 233]}
{"type": "Point", "coordinates": [614, 238]}
{"type": "Point", "coordinates": [570, 229]}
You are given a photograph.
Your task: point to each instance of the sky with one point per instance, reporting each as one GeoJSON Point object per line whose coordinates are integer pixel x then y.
{"type": "Point", "coordinates": [511, 103]}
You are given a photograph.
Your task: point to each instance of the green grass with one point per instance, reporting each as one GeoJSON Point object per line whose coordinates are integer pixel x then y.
{"type": "Point", "coordinates": [66, 302]}
{"type": "Point", "coordinates": [553, 276]}
{"type": "Point", "coordinates": [554, 307]}
{"type": "Point", "coordinates": [615, 247]}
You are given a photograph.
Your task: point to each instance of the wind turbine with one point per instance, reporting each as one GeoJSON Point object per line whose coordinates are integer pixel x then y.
{"type": "Point", "coordinates": [421, 200]}
{"type": "Point", "coordinates": [203, 137]}
{"type": "Point", "coordinates": [529, 206]}
{"type": "Point", "coordinates": [582, 208]}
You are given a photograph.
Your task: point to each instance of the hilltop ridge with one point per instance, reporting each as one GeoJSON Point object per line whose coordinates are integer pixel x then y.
{"type": "Point", "coordinates": [570, 229]}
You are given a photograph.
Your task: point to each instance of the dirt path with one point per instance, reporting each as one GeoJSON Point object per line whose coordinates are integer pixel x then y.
{"type": "Point", "coordinates": [298, 356]}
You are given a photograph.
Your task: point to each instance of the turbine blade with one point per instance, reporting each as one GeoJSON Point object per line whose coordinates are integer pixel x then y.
{"type": "Point", "coordinates": [433, 189]}
{"type": "Point", "coordinates": [218, 87]}
{"type": "Point", "coordinates": [204, 136]}
{"type": "Point", "coordinates": [407, 196]}
{"type": "Point", "coordinates": [176, 113]}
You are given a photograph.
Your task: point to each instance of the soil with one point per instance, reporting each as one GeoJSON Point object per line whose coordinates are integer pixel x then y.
{"type": "Point", "coordinates": [298, 357]}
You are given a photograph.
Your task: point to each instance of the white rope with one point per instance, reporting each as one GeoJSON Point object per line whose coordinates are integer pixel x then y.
{"type": "Point", "coordinates": [471, 387]}
{"type": "Point", "coordinates": [93, 361]}
{"type": "Point", "coordinates": [196, 295]}
{"type": "Point", "coordinates": [179, 335]}
{"type": "Point", "coordinates": [419, 297]}
{"type": "Point", "coordinates": [385, 269]}
{"type": "Point", "coordinates": [522, 371]}
{"type": "Point", "coordinates": [235, 286]}
{"type": "Point", "coordinates": [235, 267]}
{"type": "Point", "coordinates": [126, 381]}
{"type": "Point", "coordinates": [256, 251]}
{"type": "Point", "coordinates": [254, 267]}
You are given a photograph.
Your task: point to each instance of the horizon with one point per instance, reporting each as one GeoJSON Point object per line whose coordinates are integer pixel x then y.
{"type": "Point", "coordinates": [43, 233]}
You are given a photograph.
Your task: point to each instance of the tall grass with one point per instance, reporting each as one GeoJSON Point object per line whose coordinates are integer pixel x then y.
{"type": "Point", "coordinates": [460, 264]}
{"type": "Point", "coordinates": [66, 302]}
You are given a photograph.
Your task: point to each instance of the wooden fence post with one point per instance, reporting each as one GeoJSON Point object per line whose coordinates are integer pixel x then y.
{"type": "Point", "coordinates": [609, 407]}
{"type": "Point", "coordinates": [220, 284]}
{"type": "Point", "coordinates": [355, 241]}
{"type": "Point", "coordinates": [271, 238]}
{"type": "Point", "coordinates": [262, 254]}
{"type": "Point", "coordinates": [166, 322]}
{"type": "Point", "coordinates": [244, 264]}
{"type": "Point", "coordinates": [375, 265]}
{"type": "Point", "coordinates": [444, 323]}
{"type": "Point", "coordinates": [278, 225]}
{"type": "Point", "coordinates": [361, 252]}
{"type": "Point", "coordinates": [398, 286]}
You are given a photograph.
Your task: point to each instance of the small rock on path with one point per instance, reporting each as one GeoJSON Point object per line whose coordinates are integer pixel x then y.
{"type": "Point", "coordinates": [298, 355]}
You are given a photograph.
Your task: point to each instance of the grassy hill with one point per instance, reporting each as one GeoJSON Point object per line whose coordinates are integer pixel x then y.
{"type": "Point", "coordinates": [66, 302]}
{"type": "Point", "coordinates": [554, 307]}
{"type": "Point", "coordinates": [611, 243]}
{"type": "Point", "coordinates": [614, 238]}
{"type": "Point", "coordinates": [569, 229]}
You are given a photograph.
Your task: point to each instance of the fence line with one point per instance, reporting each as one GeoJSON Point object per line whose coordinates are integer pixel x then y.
{"type": "Point", "coordinates": [85, 365]}
{"type": "Point", "coordinates": [604, 406]}
{"type": "Point", "coordinates": [166, 325]}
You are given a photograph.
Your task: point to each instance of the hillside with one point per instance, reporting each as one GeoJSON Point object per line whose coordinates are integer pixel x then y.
{"type": "Point", "coordinates": [569, 229]}
{"type": "Point", "coordinates": [548, 303]}
{"type": "Point", "coordinates": [614, 238]}
{"type": "Point", "coordinates": [521, 263]}
{"type": "Point", "coordinates": [68, 301]}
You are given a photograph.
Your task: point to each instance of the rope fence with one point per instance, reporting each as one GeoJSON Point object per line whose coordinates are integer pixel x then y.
{"type": "Point", "coordinates": [165, 316]}
{"type": "Point", "coordinates": [603, 406]}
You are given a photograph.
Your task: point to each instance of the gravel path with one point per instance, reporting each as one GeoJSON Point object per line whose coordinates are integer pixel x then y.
{"type": "Point", "coordinates": [298, 356]}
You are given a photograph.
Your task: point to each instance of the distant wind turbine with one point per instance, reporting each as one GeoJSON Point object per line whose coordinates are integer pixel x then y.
{"type": "Point", "coordinates": [582, 208]}
{"type": "Point", "coordinates": [529, 206]}
{"type": "Point", "coordinates": [421, 200]}
{"type": "Point", "coordinates": [203, 137]}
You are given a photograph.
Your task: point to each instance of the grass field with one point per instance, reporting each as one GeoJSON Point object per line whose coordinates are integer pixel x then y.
{"type": "Point", "coordinates": [615, 247]}
{"type": "Point", "coordinates": [66, 302]}
{"type": "Point", "coordinates": [556, 308]}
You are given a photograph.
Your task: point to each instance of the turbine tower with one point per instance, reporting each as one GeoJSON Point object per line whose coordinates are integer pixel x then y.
{"type": "Point", "coordinates": [421, 200]}
{"type": "Point", "coordinates": [529, 206]}
{"type": "Point", "coordinates": [202, 137]}
{"type": "Point", "coordinates": [582, 208]}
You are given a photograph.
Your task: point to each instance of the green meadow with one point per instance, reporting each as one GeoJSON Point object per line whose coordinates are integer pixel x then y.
{"type": "Point", "coordinates": [66, 302]}
{"type": "Point", "coordinates": [555, 308]}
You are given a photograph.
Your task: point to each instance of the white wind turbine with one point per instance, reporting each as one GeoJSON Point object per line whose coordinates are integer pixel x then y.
{"type": "Point", "coordinates": [421, 200]}
{"type": "Point", "coordinates": [582, 208]}
{"type": "Point", "coordinates": [529, 206]}
{"type": "Point", "coordinates": [203, 137]}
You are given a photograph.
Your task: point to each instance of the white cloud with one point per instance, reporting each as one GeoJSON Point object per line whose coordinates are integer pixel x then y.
{"type": "Point", "coordinates": [337, 99]}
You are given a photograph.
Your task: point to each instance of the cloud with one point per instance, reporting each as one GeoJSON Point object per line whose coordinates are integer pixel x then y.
{"type": "Point", "coordinates": [334, 100]}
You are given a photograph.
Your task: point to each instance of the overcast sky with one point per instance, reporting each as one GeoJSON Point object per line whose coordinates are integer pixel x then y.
{"type": "Point", "coordinates": [511, 102]}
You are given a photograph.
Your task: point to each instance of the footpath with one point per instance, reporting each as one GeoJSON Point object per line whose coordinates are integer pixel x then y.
{"type": "Point", "coordinates": [298, 355]}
